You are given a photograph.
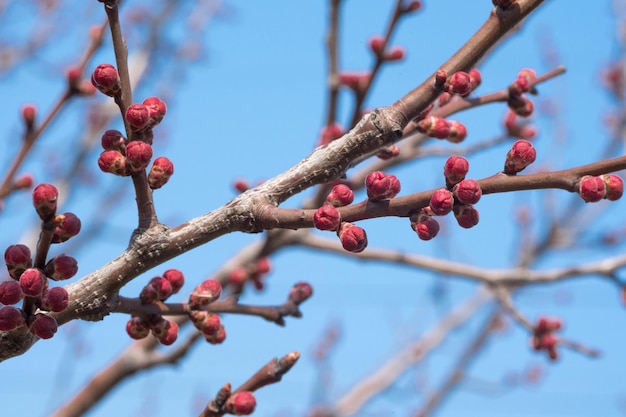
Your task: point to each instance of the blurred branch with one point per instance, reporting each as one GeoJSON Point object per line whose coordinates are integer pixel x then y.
{"type": "Point", "coordinates": [372, 385]}
{"type": "Point", "coordinates": [460, 368]}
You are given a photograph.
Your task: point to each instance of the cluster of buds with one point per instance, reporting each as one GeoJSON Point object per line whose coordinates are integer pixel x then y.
{"type": "Point", "coordinates": [521, 154]}
{"type": "Point", "coordinates": [254, 272]}
{"type": "Point", "coordinates": [353, 238]}
{"type": "Point", "coordinates": [207, 322]}
{"type": "Point", "coordinates": [440, 128]}
{"type": "Point", "coordinates": [122, 157]}
{"type": "Point", "coordinates": [377, 45]}
{"type": "Point", "coordinates": [543, 337]}
{"type": "Point", "coordinates": [593, 189]}
{"type": "Point", "coordinates": [157, 290]}
{"type": "Point", "coordinates": [126, 157]}
{"type": "Point", "coordinates": [517, 102]}
{"type": "Point", "coordinates": [33, 282]}
{"type": "Point", "coordinates": [458, 196]}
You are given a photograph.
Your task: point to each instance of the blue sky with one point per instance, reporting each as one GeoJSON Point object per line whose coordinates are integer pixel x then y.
{"type": "Point", "coordinates": [252, 108]}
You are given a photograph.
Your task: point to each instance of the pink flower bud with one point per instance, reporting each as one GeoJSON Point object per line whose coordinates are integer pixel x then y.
{"type": "Point", "coordinates": [475, 78]}
{"type": "Point", "coordinates": [138, 117]}
{"type": "Point", "coordinates": [240, 404]}
{"type": "Point", "coordinates": [10, 318]}
{"type": "Point", "coordinates": [353, 238]}
{"type": "Point", "coordinates": [159, 327]}
{"type": "Point", "coordinates": [45, 200]}
{"type": "Point", "coordinates": [467, 191]}
{"type": "Point", "coordinates": [341, 195]}
{"type": "Point", "coordinates": [528, 74]}
{"type": "Point", "coordinates": [157, 110]}
{"type": "Point", "coordinates": [23, 182]}
{"type": "Point", "coordinates": [148, 295]}
{"type": "Point", "coordinates": [377, 45]}
{"type": "Point", "coordinates": [519, 86]}
{"type": "Point", "coordinates": [157, 289]}
{"type": "Point", "coordinates": [412, 6]}
{"type": "Point", "coordinates": [466, 215]}
{"type": "Point", "coordinates": [17, 259]}
{"type": "Point", "coordinates": [160, 173]}
{"type": "Point", "coordinates": [113, 140]}
{"type": "Point", "coordinates": [56, 299]}
{"type": "Point", "coordinates": [435, 127]}
{"type": "Point", "coordinates": [614, 186]}
{"type": "Point", "coordinates": [138, 155]}
{"type": "Point", "coordinates": [545, 324]}
{"type": "Point", "coordinates": [458, 132]}
{"type": "Point", "coordinates": [263, 265]}
{"type": "Point", "coordinates": [106, 79]}
{"type": "Point", "coordinates": [10, 292]}
{"type": "Point", "coordinates": [241, 185]}
{"type": "Point", "coordinates": [238, 276]}
{"type": "Point", "coordinates": [61, 267]}
{"type": "Point", "coordinates": [326, 218]}
{"type": "Point", "coordinates": [218, 337]}
{"type": "Point", "coordinates": [426, 228]}
{"type": "Point", "coordinates": [208, 323]}
{"type": "Point", "coordinates": [176, 279]}
{"type": "Point", "coordinates": [68, 226]}
{"type": "Point", "coordinates": [395, 186]}
{"type": "Point", "coordinates": [113, 162]}
{"type": "Point", "coordinates": [455, 169]}
{"type": "Point", "coordinates": [204, 294]}
{"type": "Point", "coordinates": [397, 53]}
{"type": "Point", "coordinates": [29, 114]}
{"type": "Point", "coordinates": [170, 335]}
{"type": "Point", "coordinates": [43, 326]}
{"type": "Point", "coordinates": [85, 88]}
{"type": "Point", "coordinates": [519, 157]}
{"type": "Point", "coordinates": [378, 185]}
{"type": "Point", "coordinates": [441, 79]}
{"type": "Point", "coordinates": [137, 328]}
{"type": "Point", "coordinates": [354, 81]}
{"type": "Point", "coordinates": [388, 152]}
{"type": "Point", "coordinates": [300, 292]}
{"type": "Point", "coordinates": [74, 78]}
{"type": "Point", "coordinates": [444, 99]}
{"type": "Point", "coordinates": [521, 106]}
{"type": "Point", "coordinates": [441, 202]}
{"type": "Point", "coordinates": [591, 189]}
{"type": "Point", "coordinates": [330, 133]}
{"type": "Point", "coordinates": [32, 282]}
{"type": "Point", "coordinates": [459, 83]}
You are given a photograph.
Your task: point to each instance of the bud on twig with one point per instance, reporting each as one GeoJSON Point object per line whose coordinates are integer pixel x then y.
{"type": "Point", "coordinates": [353, 238]}
{"type": "Point", "coordinates": [45, 201]}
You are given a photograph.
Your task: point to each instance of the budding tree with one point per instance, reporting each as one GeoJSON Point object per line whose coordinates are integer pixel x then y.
{"type": "Point", "coordinates": [407, 180]}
